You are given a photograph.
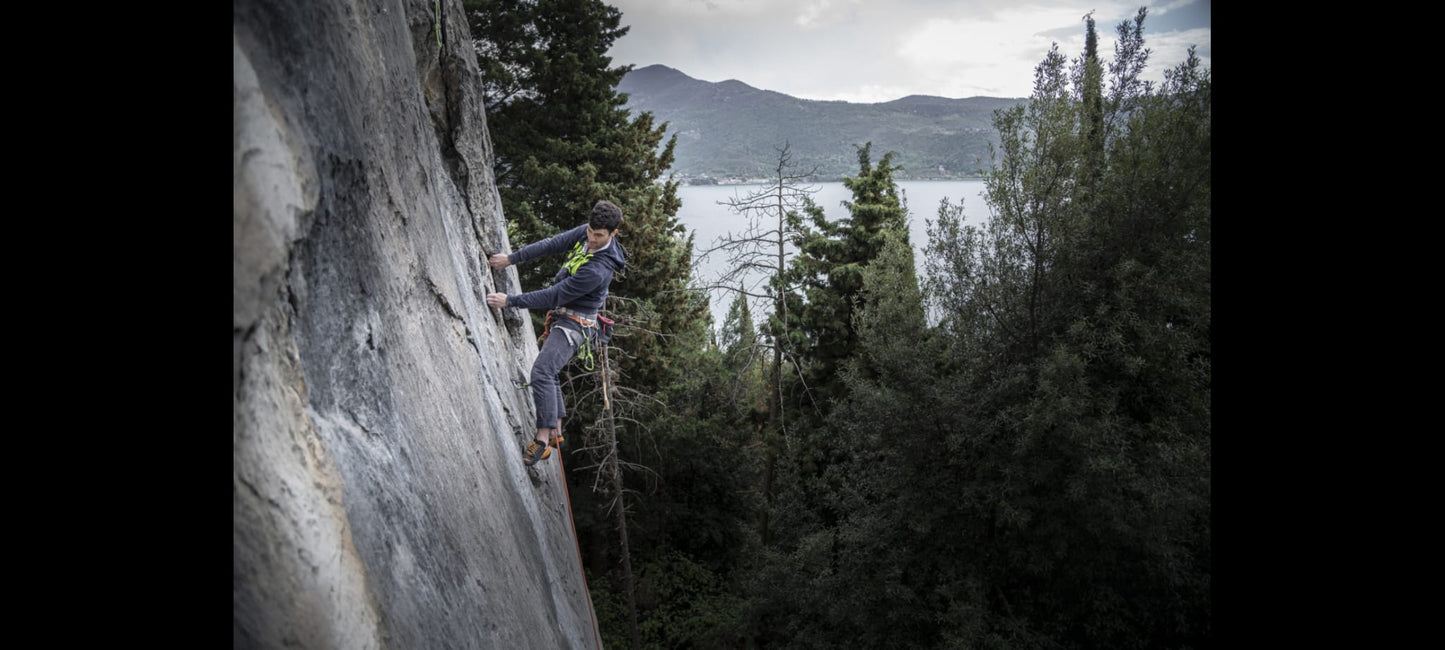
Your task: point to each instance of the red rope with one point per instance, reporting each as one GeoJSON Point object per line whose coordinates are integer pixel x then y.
{"type": "Point", "coordinates": [596, 634]}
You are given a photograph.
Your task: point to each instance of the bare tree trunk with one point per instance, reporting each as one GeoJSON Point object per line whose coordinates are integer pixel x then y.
{"type": "Point", "coordinates": [764, 249]}
{"type": "Point", "coordinates": [770, 437]}
{"type": "Point", "coordinates": [619, 502]}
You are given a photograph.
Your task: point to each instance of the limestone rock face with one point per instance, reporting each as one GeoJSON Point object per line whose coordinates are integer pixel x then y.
{"type": "Point", "coordinates": [379, 498]}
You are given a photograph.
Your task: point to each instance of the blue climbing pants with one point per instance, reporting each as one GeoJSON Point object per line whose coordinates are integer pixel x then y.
{"type": "Point", "coordinates": [556, 351]}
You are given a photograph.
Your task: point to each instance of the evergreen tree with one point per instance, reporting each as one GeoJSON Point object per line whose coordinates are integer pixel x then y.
{"type": "Point", "coordinates": [829, 269]}
{"type": "Point", "coordinates": [1080, 316]}
{"type": "Point", "coordinates": [690, 467]}
{"type": "Point", "coordinates": [1088, 83]}
{"type": "Point", "coordinates": [738, 335]}
{"type": "Point", "coordinates": [743, 357]}
{"type": "Point", "coordinates": [865, 577]}
{"type": "Point", "coordinates": [810, 582]}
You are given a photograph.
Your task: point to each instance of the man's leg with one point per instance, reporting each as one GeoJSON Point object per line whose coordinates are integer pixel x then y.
{"type": "Point", "coordinates": [556, 351]}
{"type": "Point", "coordinates": [561, 413]}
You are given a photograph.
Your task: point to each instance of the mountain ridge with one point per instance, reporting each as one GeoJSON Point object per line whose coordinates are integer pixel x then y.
{"type": "Point", "coordinates": [730, 131]}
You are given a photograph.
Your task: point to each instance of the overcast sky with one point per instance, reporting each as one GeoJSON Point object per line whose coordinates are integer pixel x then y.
{"type": "Point", "coordinates": [880, 50]}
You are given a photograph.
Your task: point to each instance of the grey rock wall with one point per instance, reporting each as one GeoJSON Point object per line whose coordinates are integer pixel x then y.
{"type": "Point", "coordinates": [379, 496]}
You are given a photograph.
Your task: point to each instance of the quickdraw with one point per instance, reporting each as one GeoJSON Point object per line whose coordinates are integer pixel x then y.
{"type": "Point", "coordinates": [584, 354]}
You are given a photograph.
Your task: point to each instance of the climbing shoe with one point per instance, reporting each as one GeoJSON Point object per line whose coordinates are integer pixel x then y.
{"type": "Point", "coordinates": [534, 452]}
{"type": "Point", "coordinates": [556, 439]}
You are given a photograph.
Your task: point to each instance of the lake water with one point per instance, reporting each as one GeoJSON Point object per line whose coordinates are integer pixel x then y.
{"type": "Point", "coordinates": [703, 214]}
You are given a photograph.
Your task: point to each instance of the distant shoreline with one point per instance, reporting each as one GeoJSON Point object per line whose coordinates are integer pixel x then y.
{"type": "Point", "coordinates": [821, 179]}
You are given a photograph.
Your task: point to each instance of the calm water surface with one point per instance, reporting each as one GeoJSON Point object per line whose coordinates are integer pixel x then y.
{"type": "Point", "coordinates": [702, 214]}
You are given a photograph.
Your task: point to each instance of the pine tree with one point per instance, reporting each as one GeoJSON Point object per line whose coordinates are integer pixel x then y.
{"type": "Point", "coordinates": [1080, 322]}
{"type": "Point", "coordinates": [829, 269]}
{"type": "Point", "coordinates": [743, 356]}
{"type": "Point", "coordinates": [870, 571]}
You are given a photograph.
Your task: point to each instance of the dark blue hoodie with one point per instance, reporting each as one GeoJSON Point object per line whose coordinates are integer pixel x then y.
{"type": "Point", "coordinates": [584, 289]}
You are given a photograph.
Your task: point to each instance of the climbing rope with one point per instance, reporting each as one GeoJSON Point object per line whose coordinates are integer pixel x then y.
{"type": "Point", "coordinates": [596, 633]}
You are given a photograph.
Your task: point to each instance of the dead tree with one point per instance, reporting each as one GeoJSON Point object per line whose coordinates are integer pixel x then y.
{"type": "Point", "coordinates": [757, 255]}
{"type": "Point", "coordinates": [615, 403]}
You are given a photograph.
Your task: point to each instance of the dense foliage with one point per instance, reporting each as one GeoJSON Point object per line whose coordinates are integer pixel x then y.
{"type": "Point", "coordinates": [1011, 452]}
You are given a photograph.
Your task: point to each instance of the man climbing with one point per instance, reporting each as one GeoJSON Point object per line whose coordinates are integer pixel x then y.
{"type": "Point", "coordinates": [577, 292]}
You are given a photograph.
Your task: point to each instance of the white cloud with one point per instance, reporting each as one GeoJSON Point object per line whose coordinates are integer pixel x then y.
{"type": "Point", "coordinates": [819, 14]}
{"type": "Point", "coordinates": [1170, 49]}
{"type": "Point", "coordinates": [1169, 6]}
{"type": "Point", "coordinates": [993, 55]}
{"type": "Point", "coordinates": [1008, 35]}
{"type": "Point", "coordinates": [880, 50]}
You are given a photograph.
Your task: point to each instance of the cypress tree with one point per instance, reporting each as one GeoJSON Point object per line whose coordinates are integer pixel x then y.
{"type": "Point", "coordinates": [829, 269]}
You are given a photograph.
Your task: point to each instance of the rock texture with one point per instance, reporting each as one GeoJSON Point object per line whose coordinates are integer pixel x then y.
{"type": "Point", "coordinates": [379, 495]}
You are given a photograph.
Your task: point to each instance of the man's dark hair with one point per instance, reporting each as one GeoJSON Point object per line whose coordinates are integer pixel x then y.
{"type": "Point", "coordinates": [606, 215]}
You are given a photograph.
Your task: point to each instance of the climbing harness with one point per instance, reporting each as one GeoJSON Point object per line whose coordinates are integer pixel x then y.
{"type": "Point", "coordinates": [590, 334]}
{"type": "Point", "coordinates": [572, 315]}
{"type": "Point", "coordinates": [596, 337]}
{"type": "Point", "coordinates": [580, 317]}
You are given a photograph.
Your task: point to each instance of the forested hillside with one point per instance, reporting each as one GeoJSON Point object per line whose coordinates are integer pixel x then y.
{"type": "Point", "coordinates": [730, 130]}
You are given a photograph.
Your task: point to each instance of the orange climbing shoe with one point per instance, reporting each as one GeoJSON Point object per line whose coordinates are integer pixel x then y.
{"type": "Point", "coordinates": [534, 452]}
